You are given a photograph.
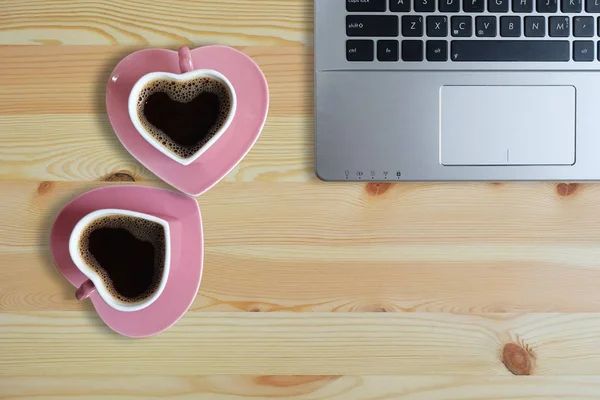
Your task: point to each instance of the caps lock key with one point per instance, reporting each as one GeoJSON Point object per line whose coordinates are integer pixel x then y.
{"type": "Point", "coordinates": [365, 5]}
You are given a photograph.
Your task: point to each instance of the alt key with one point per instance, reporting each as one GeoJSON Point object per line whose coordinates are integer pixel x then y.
{"type": "Point", "coordinates": [437, 50]}
{"type": "Point", "coordinates": [583, 50]}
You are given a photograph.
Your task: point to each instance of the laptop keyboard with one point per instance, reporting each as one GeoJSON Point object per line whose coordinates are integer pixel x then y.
{"type": "Point", "coordinates": [473, 30]}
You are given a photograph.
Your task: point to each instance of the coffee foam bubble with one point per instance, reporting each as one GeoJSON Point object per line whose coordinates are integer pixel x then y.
{"type": "Point", "coordinates": [184, 92]}
{"type": "Point", "coordinates": [142, 229]}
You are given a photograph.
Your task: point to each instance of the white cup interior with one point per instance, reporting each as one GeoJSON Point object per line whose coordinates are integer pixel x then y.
{"type": "Point", "coordinates": [75, 252]}
{"type": "Point", "coordinates": [195, 74]}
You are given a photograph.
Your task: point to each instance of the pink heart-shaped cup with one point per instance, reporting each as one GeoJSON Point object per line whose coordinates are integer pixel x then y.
{"type": "Point", "coordinates": [185, 270]}
{"type": "Point", "coordinates": [252, 98]}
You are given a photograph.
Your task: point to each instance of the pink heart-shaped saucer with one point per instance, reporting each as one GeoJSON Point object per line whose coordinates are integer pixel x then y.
{"type": "Point", "coordinates": [252, 106]}
{"type": "Point", "coordinates": [186, 253]}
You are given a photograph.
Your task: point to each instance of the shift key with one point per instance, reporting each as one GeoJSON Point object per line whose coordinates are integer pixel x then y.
{"type": "Point", "coordinates": [372, 25]}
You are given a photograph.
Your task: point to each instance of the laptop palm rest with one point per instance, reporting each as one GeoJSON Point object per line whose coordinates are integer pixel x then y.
{"type": "Point", "coordinates": [507, 125]}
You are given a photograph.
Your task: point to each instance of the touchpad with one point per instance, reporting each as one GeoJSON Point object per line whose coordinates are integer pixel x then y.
{"type": "Point", "coordinates": [507, 125]}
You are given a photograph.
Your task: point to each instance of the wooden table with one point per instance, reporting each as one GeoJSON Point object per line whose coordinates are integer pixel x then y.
{"type": "Point", "coordinates": [311, 290]}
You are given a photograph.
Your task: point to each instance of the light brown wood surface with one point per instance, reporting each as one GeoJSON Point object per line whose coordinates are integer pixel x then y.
{"type": "Point", "coordinates": [311, 290]}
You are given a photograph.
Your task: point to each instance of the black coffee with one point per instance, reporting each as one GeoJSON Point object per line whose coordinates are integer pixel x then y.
{"type": "Point", "coordinates": [183, 116]}
{"type": "Point", "coordinates": [128, 253]}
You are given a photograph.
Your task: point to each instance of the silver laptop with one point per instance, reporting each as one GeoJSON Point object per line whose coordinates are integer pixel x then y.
{"type": "Point", "coordinates": [457, 90]}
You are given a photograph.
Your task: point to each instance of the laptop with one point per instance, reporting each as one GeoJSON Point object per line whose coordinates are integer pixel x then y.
{"type": "Point", "coordinates": [436, 90]}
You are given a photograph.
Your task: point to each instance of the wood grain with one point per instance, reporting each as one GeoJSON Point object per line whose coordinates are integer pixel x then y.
{"type": "Point", "coordinates": [358, 252]}
{"type": "Point", "coordinates": [312, 387]}
{"type": "Point", "coordinates": [72, 79]}
{"type": "Point", "coordinates": [164, 23]}
{"type": "Point", "coordinates": [79, 147]}
{"type": "Point", "coordinates": [301, 343]}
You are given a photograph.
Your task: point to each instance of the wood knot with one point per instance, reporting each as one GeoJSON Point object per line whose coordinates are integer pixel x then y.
{"type": "Point", "coordinates": [517, 360]}
{"type": "Point", "coordinates": [121, 176]}
{"type": "Point", "coordinates": [288, 381]}
{"type": "Point", "coordinates": [45, 187]}
{"type": "Point", "coordinates": [566, 189]}
{"type": "Point", "coordinates": [497, 183]}
{"type": "Point", "coordinates": [377, 188]}
{"type": "Point", "coordinates": [381, 309]}
{"type": "Point", "coordinates": [254, 309]}
{"type": "Point", "coordinates": [376, 308]}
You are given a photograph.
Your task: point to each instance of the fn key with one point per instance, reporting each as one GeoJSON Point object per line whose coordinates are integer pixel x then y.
{"type": "Point", "coordinates": [360, 50]}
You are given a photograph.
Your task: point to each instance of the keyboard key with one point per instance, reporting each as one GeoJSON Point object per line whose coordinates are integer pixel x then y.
{"type": "Point", "coordinates": [583, 26]}
{"type": "Point", "coordinates": [437, 50]}
{"type": "Point", "coordinates": [570, 6]}
{"type": "Point", "coordinates": [387, 50]}
{"type": "Point", "coordinates": [510, 26]}
{"type": "Point", "coordinates": [535, 26]}
{"type": "Point", "coordinates": [471, 6]}
{"type": "Point", "coordinates": [485, 26]}
{"type": "Point", "coordinates": [598, 52]}
{"type": "Point", "coordinates": [462, 26]}
{"type": "Point", "coordinates": [522, 6]}
{"type": "Point", "coordinates": [583, 50]}
{"type": "Point", "coordinates": [592, 6]}
{"type": "Point", "coordinates": [359, 50]}
{"type": "Point", "coordinates": [510, 50]}
{"type": "Point", "coordinates": [412, 50]}
{"type": "Point", "coordinates": [371, 25]}
{"type": "Point", "coordinates": [400, 5]}
{"type": "Point", "coordinates": [437, 26]}
{"type": "Point", "coordinates": [365, 5]}
{"type": "Point", "coordinates": [547, 6]}
{"type": "Point", "coordinates": [498, 6]}
{"type": "Point", "coordinates": [412, 26]}
{"type": "Point", "coordinates": [424, 5]}
{"type": "Point", "coordinates": [559, 26]}
{"type": "Point", "coordinates": [450, 5]}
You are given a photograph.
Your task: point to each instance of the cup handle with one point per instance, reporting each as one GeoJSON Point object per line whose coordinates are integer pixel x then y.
{"type": "Point", "coordinates": [185, 59]}
{"type": "Point", "coordinates": [85, 290]}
